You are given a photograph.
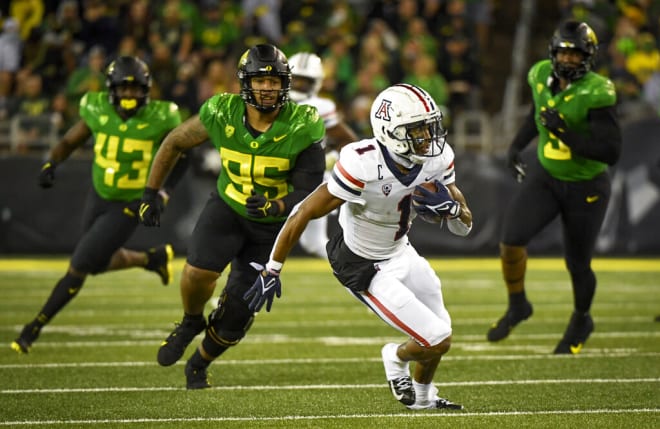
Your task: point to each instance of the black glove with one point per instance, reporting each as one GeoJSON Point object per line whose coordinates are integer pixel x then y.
{"type": "Point", "coordinates": [264, 288]}
{"type": "Point", "coordinates": [151, 206]}
{"type": "Point", "coordinates": [553, 121]}
{"type": "Point", "coordinates": [438, 203]}
{"type": "Point", "coordinates": [258, 205]}
{"type": "Point", "coordinates": [47, 174]}
{"type": "Point", "coordinates": [515, 164]}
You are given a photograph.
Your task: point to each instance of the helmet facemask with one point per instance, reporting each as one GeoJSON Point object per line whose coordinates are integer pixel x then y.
{"type": "Point", "coordinates": [422, 140]}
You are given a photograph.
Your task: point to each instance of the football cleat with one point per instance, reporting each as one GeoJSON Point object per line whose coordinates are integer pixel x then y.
{"type": "Point", "coordinates": [175, 344]}
{"type": "Point", "coordinates": [578, 330]}
{"type": "Point", "coordinates": [436, 404]}
{"type": "Point", "coordinates": [160, 261]}
{"type": "Point", "coordinates": [29, 335]}
{"type": "Point", "coordinates": [196, 378]}
{"type": "Point", "coordinates": [502, 328]}
{"type": "Point", "coordinates": [403, 391]}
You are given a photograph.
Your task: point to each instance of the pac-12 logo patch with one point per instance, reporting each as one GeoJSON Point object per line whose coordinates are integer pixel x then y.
{"type": "Point", "coordinates": [383, 111]}
{"type": "Point", "coordinates": [386, 188]}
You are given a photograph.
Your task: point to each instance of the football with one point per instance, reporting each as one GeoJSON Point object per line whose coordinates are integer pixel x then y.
{"type": "Point", "coordinates": [427, 217]}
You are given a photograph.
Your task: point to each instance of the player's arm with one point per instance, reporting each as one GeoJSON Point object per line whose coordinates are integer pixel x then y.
{"type": "Point", "coordinates": [189, 134]}
{"type": "Point", "coordinates": [318, 204]}
{"type": "Point", "coordinates": [604, 140]}
{"type": "Point", "coordinates": [465, 214]}
{"type": "Point", "coordinates": [305, 177]}
{"type": "Point", "coordinates": [72, 139]}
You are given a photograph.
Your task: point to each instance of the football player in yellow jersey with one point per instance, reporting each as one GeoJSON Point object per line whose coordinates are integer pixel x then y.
{"type": "Point", "coordinates": [127, 129]}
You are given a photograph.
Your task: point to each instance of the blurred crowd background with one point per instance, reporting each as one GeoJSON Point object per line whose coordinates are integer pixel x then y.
{"type": "Point", "coordinates": [471, 55]}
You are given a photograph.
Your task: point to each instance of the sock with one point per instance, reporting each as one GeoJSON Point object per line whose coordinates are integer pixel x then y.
{"type": "Point", "coordinates": [517, 299]}
{"type": "Point", "coordinates": [63, 292]}
{"type": "Point", "coordinates": [197, 361]}
{"type": "Point", "coordinates": [421, 391]}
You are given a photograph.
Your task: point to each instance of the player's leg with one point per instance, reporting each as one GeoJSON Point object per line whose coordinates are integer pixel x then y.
{"type": "Point", "coordinates": [232, 319]}
{"type": "Point", "coordinates": [214, 242]}
{"type": "Point", "coordinates": [584, 212]}
{"type": "Point", "coordinates": [430, 331]}
{"type": "Point", "coordinates": [531, 209]}
{"type": "Point", "coordinates": [106, 227]}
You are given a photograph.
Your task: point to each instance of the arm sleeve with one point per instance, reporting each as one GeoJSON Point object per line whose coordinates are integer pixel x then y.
{"type": "Point", "coordinates": [177, 172]}
{"type": "Point", "coordinates": [525, 134]}
{"type": "Point", "coordinates": [604, 142]}
{"type": "Point", "coordinates": [306, 176]}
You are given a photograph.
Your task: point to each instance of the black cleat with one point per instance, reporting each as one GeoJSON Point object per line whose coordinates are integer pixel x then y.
{"type": "Point", "coordinates": [577, 332]}
{"type": "Point", "coordinates": [402, 389]}
{"type": "Point", "coordinates": [160, 261]}
{"type": "Point", "coordinates": [175, 344]}
{"type": "Point", "coordinates": [502, 328]}
{"type": "Point", "coordinates": [196, 378]}
{"type": "Point", "coordinates": [29, 335]}
{"type": "Point", "coordinates": [447, 404]}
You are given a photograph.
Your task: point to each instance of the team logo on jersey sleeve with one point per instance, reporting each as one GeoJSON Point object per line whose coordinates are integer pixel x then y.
{"type": "Point", "coordinates": [386, 188]}
{"type": "Point", "coordinates": [229, 131]}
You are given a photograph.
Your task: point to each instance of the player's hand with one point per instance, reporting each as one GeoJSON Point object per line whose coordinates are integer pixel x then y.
{"type": "Point", "coordinates": [553, 121]}
{"type": "Point", "coordinates": [47, 174]}
{"type": "Point", "coordinates": [515, 164]}
{"type": "Point", "coordinates": [150, 207]}
{"type": "Point", "coordinates": [438, 203]}
{"type": "Point", "coordinates": [258, 205]}
{"type": "Point", "coordinates": [265, 287]}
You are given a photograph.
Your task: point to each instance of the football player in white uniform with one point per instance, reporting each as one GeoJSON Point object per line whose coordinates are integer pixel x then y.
{"type": "Point", "coordinates": [373, 184]}
{"type": "Point", "coordinates": [307, 78]}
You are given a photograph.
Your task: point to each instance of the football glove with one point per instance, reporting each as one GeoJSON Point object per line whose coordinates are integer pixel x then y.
{"type": "Point", "coordinates": [151, 206]}
{"type": "Point", "coordinates": [515, 164]}
{"type": "Point", "coordinates": [438, 203]}
{"type": "Point", "coordinates": [47, 174]}
{"type": "Point", "coordinates": [265, 287]}
{"type": "Point", "coordinates": [258, 205]}
{"type": "Point", "coordinates": [553, 121]}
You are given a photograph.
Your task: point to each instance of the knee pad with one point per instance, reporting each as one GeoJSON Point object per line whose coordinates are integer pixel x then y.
{"type": "Point", "coordinates": [228, 323]}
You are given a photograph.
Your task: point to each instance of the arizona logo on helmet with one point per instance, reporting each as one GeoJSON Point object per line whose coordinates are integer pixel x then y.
{"type": "Point", "coordinates": [383, 111]}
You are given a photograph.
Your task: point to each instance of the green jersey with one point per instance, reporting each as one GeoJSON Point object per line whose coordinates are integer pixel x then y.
{"type": "Point", "coordinates": [590, 92]}
{"type": "Point", "coordinates": [260, 164]}
{"type": "Point", "coordinates": [124, 150]}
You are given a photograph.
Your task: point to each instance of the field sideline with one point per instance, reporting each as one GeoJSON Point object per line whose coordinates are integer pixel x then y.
{"type": "Point", "coordinates": [314, 361]}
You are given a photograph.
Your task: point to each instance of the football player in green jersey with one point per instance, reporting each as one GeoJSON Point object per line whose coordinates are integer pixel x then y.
{"type": "Point", "coordinates": [272, 157]}
{"type": "Point", "coordinates": [127, 129]}
{"type": "Point", "coordinates": [574, 117]}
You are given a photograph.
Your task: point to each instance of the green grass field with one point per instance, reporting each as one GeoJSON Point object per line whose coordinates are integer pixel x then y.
{"type": "Point", "coordinates": [314, 361]}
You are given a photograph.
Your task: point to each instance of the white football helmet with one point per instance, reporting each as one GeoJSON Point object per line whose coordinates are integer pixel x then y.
{"type": "Point", "coordinates": [406, 119]}
{"type": "Point", "coordinates": [309, 67]}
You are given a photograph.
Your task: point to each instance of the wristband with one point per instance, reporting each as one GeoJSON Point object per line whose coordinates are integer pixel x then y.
{"type": "Point", "coordinates": [274, 266]}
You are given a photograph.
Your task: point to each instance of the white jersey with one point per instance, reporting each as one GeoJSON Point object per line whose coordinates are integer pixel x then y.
{"type": "Point", "coordinates": [378, 213]}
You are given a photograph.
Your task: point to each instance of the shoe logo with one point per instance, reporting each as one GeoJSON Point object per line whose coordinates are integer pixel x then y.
{"type": "Point", "coordinates": [398, 396]}
{"type": "Point", "coordinates": [142, 126]}
{"type": "Point", "coordinates": [73, 290]}
{"type": "Point", "coordinates": [592, 198]}
{"type": "Point", "coordinates": [278, 138]}
{"type": "Point", "coordinates": [576, 349]}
